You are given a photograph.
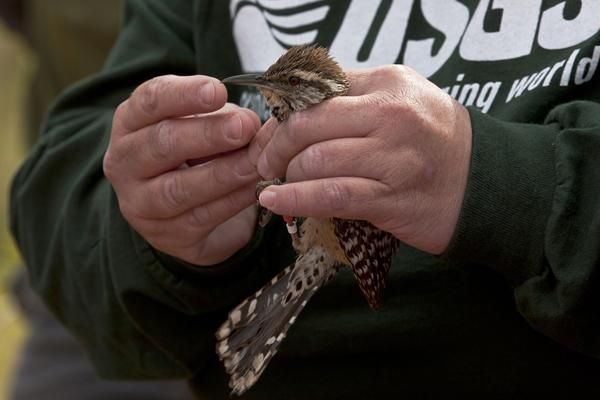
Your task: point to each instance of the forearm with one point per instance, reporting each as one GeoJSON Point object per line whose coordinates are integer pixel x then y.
{"type": "Point", "coordinates": [530, 212]}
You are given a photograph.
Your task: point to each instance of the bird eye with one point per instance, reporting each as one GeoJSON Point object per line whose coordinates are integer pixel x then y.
{"type": "Point", "coordinates": [294, 80]}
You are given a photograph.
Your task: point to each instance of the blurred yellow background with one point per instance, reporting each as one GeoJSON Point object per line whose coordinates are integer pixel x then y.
{"type": "Point", "coordinates": [65, 40]}
{"type": "Point", "coordinates": [16, 68]}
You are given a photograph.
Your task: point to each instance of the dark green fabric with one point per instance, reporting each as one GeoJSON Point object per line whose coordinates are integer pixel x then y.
{"type": "Point", "coordinates": [499, 312]}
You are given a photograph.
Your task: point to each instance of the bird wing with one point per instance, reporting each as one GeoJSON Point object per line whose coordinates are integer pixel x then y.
{"type": "Point", "coordinates": [250, 337]}
{"type": "Point", "coordinates": [370, 251]}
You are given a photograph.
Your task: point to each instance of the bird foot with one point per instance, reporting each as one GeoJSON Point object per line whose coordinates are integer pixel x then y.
{"type": "Point", "coordinates": [262, 185]}
{"type": "Point", "coordinates": [264, 215]}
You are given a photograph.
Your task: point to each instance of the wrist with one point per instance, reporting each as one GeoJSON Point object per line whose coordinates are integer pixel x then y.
{"type": "Point", "coordinates": [438, 207]}
{"type": "Point", "coordinates": [508, 197]}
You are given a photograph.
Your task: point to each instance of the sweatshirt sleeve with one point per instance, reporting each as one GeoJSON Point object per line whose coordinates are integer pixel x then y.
{"type": "Point", "coordinates": [138, 313]}
{"type": "Point", "coordinates": [532, 212]}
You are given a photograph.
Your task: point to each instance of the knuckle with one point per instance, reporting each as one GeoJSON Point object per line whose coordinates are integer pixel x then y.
{"type": "Point", "coordinates": [108, 166]}
{"type": "Point", "coordinates": [403, 71]}
{"type": "Point", "coordinates": [234, 203]}
{"type": "Point", "coordinates": [162, 143]}
{"type": "Point", "coordinates": [313, 160]}
{"type": "Point", "coordinates": [386, 106]}
{"type": "Point", "coordinates": [397, 69]}
{"type": "Point", "coordinates": [127, 210]}
{"type": "Point", "coordinates": [336, 196]}
{"type": "Point", "coordinates": [147, 95]}
{"type": "Point", "coordinates": [113, 160]}
{"type": "Point", "coordinates": [122, 120]}
{"type": "Point", "coordinates": [278, 164]}
{"type": "Point", "coordinates": [174, 194]}
{"type": "Point", "coordinates": [156, 237]}
{"type": "Point", "coordinates": [392, 72]}
{"type": "Point", "coordinates": [206, 128]}
{"type": "Point", "coordinates": [387, 76]}
{"type": "Point", "coordinates": [135, 204]}
{"type": "Point", "coordinates": [200, 218]}
{"type": "Point", "coordinates": [299, 122]}
{"type": "Point", "coordinates": [381, 73]}
{"type": "Point", "coordinates": [200, 253]}
{"type": "Point", "coordinates": [220, 175]}
{"type": "Point", "coordinates": [188, 92]}
{"type": "Point", "coordinates": [252, 119]}
{"type": "Point", "coordinates": [293, 199]}
{"type": "Point", "coordinates": [120, 112]}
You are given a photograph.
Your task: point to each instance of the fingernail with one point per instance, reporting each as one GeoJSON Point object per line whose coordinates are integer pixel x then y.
{"type": "Point", "coordinates": [267, 198]}
{"type": "Point", "coordinates": [207, 93]}
{"type": "Point", "coordinates": [233, 127]}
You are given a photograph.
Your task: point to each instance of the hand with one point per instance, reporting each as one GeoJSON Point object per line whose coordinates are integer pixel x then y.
{"type": "Point", "coordinates": [394, 152]}
{"type": "Point", "coordinates": [178, 162]}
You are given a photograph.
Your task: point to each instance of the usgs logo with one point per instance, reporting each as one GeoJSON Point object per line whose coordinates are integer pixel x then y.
{"type": "Point", "coordinates": [377, 32]}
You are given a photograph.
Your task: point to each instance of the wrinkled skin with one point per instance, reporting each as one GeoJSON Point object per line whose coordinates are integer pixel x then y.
{"type": "Point", "coordinates": [179, 165]}
{"type": "Point", "coordinates": [394, 152]}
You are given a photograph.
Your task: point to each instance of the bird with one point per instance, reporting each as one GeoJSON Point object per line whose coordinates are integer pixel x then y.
{"type": "Point", "coordinates": [303, 76]}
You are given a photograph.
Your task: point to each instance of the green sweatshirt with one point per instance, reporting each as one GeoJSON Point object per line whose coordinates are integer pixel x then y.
{"type": "Point", "coordinates": [512, 307]}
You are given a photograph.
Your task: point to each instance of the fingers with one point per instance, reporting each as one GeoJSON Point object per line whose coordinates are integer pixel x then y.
{"type": "Point", "coordinates": [168, 97]}
{"type": "Point", "coordinates": [236, 232]}
{"type": "Point", "coordinates": [340, 117]}
{"type": "Point", "coordinates": [209, 234]}
{"type": "Point", "coordinates": [177, 163]}
{"type": "Point", "coordinates": [260, 140]}
{"type": "Point", "coordinates": [346, 197]}
{"type": "Point", "coordinates": [358, 114]}
{"type": "Point", "coordinates": [166, 145]}
{"type": "Point", "coordinates": [178, 191]}
{"type": "Point", "coordinates": [184, 230]}
{"type": "Point", "coordinates": [339, 157]}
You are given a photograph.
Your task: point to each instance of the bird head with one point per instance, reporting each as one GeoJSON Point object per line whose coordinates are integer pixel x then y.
{"type": "Point", "coordinates": [303, 76]}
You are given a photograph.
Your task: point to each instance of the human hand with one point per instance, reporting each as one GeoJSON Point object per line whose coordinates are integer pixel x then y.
{"type": "Point", "coordinates": [178, 162]}
{"type": "Point", "coordinates": [394, 152]}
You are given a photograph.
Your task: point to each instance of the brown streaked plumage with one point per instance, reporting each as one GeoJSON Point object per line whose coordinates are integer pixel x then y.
{"type": "Point", "coordinates": [303, 76]}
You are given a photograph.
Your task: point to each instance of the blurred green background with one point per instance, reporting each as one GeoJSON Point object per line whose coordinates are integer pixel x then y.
{"type": "Point", "coordinates": [16, 71]}
{"type": "Point", "coordinates": [52, 44]}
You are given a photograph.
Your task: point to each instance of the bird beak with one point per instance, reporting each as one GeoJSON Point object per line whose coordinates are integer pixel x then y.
{"type": "Point", "coordinates": [249, 79]}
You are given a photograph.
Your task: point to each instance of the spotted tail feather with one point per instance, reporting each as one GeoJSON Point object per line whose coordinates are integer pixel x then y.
{"type": "Point", "coordinates": [251, 336]}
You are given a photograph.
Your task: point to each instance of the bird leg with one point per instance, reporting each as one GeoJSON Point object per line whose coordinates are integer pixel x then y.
{"type": "Point", "coordinates": [265, 215]}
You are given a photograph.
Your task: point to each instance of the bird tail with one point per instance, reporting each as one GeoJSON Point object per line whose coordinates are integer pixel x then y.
{"type": "Point", "coordinates": [250, 337]}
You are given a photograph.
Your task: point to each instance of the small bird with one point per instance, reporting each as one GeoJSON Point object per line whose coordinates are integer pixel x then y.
{"type": "Point", "coordinates": [303, 76]}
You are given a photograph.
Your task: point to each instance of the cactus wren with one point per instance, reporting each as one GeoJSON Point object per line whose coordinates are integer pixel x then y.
{"type": "Point", "coordinates": [246, 342]}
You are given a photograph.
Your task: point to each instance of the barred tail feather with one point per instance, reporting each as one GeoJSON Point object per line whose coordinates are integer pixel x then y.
{"type": "Point", "coordinates": [250, 337]}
